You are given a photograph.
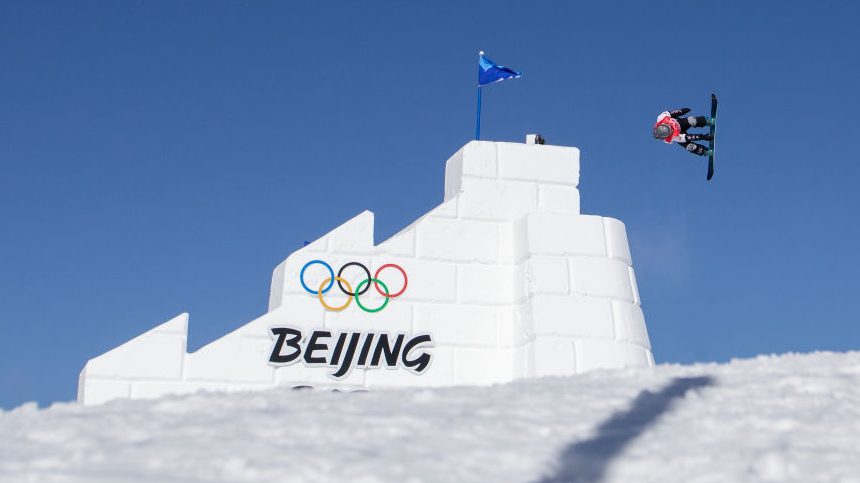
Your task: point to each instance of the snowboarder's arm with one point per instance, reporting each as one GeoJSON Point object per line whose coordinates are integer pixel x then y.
{"type": "Point", "coordinates": [676, 113]}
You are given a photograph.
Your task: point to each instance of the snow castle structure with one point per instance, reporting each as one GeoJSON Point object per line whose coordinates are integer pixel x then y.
{"type": "Point", "coordinates": [504, 279]}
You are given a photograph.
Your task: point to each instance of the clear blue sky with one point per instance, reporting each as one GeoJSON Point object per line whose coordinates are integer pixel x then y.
{"type": "Point", "coordinates": [163, 157]}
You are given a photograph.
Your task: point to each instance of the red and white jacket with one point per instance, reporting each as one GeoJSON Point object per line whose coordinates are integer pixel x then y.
{"type": "Point", "coordinates": [676, 136]}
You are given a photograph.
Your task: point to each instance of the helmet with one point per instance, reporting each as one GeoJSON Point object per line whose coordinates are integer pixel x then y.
{"type": "Point", "coordinates": [662, 131]}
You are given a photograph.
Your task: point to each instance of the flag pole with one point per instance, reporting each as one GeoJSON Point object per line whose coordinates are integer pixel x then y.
{"type": "Point", "coordinates": [478, 117]}
{"type": "Point", "coordinates": [478, 121]}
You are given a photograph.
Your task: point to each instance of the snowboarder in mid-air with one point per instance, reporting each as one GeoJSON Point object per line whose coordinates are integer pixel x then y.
{"type": "Point", "coordinates": [672, 128]}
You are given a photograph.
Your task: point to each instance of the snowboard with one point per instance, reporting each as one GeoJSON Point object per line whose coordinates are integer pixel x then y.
{"type": "Point", "coordinates": [713, 136]}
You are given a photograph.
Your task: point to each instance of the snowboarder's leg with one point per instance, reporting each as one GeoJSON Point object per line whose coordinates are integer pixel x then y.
{"type": "Point", "coordinates": [697, 137]}
{"type": "Point", "coordinates": [692, 121]}
{"type": "Point", "coordinates": [694, 148]}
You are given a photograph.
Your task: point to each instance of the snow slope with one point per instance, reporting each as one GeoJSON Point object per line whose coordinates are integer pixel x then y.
{"type": "Point", "coordinates": [776, 418]}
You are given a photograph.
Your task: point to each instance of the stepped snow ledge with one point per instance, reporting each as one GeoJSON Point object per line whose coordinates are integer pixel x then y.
{"type": "Point", "coordinates": [506, 280]}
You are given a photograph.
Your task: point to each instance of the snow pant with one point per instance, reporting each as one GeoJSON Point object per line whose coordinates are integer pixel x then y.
{"type": "Point", "coordinates": [694, 148]}
{"type": "Point", "coordinates": [692, 121]}
{"type": "Point", "coordinates": [687, 123]}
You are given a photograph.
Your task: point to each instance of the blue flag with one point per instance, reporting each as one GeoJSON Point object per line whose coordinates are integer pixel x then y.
{"type": "Point", "coordinates": [489, 72]}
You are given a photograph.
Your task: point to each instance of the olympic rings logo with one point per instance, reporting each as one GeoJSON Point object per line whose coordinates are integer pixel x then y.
{"type": "Point", "coordinates": [360, 289]}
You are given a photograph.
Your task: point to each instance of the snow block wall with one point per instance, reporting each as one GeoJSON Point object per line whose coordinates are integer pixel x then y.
{"type": "Point", "coordinates": [506, 278]}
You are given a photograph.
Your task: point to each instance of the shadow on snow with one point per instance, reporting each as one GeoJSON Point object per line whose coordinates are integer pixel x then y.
{"type": "Point", "coordinates": [586, 461]}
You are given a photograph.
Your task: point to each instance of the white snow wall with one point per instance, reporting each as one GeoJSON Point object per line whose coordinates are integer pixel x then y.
{"type": "Point", "coordinates": [506, 274]}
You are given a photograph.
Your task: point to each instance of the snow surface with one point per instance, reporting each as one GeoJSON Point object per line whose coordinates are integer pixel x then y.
{"type": "Point", "coordinates": [772, 418]}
